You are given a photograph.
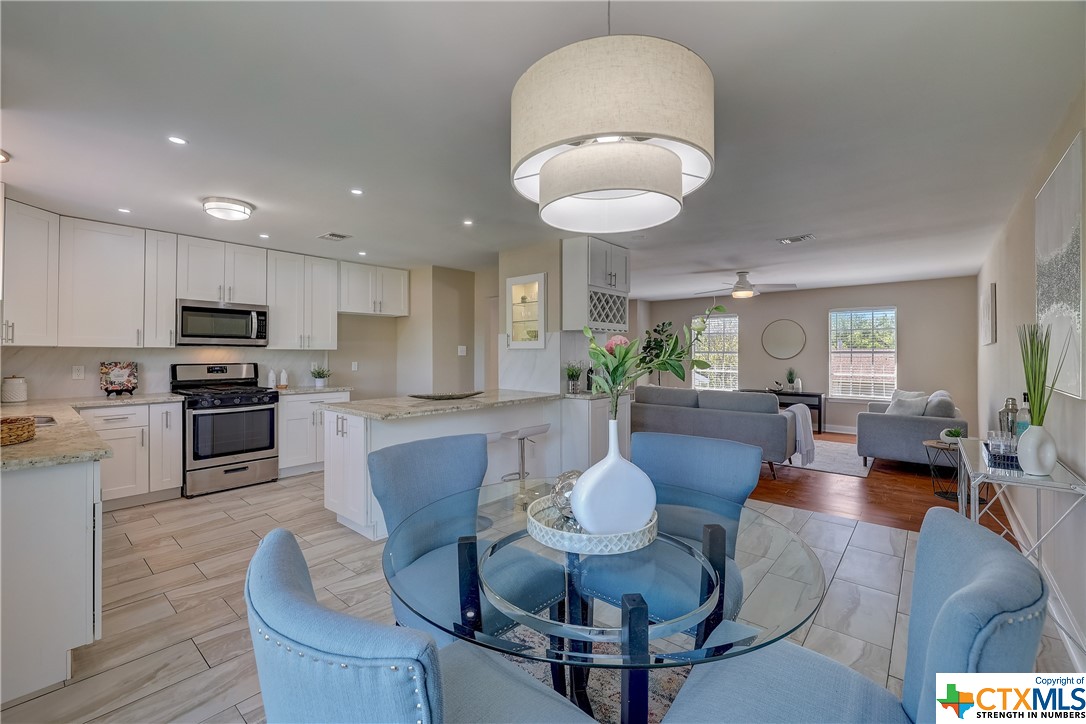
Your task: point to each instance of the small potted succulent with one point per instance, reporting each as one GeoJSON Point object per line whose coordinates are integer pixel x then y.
{"type": "Point", "coordinates": [573, 376]}
{"type": "Point", "coordinates": [790, 378]}
{"type": "Point", "coordinates": [320, 376]}
{"type": "Point", "coordinates": [952, 435]}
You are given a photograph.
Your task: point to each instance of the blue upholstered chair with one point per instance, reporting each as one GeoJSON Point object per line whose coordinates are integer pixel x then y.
{"type": "Point", "coordinates": [978, 605]}
{"type": "Point", "coordinates": [319, 665]}
{"type": "Point", "coordinates": [408, 477]}
{"type": "Point", "coordinates": [699, 473]}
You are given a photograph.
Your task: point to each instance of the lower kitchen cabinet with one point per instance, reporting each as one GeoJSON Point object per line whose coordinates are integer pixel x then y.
{"type": "Point", "coordinates": [165, 424]}
{"type": "Point", "coordinates": [301, 428]}
{"type": "Point", "coordinates": [147, 449]}
{"type": "Point", "coordinates": [127, 472]}
{"type": "Point", "coordinates": [346, 475]}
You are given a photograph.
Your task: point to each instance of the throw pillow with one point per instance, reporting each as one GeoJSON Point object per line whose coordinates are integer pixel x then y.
{"type": "Point", "coordinates": [906, 395]}
{"type": "Point", "coordinates": [907, 406]}
{"type": "Point", "coordinates": [939, 393]}
{"type": "Point", "coordinates": [939, 407]}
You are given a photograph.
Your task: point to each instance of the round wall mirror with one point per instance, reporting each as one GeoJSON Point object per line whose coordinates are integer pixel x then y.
{"type": "Point", "coordinates": [783, 339]}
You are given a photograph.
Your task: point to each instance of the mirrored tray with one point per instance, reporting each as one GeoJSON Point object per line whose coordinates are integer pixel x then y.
{"type": "Point", "coordinates": [547, 525]}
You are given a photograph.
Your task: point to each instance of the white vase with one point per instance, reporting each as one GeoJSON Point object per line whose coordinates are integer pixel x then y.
{"type": "Point", "coordinates": [799, 385]}
{"type": "Point", "coordinates": [320, 381]}
{"type": "Point", "coordinates": [614, 495]}
{"type": "Point", "coordinates": [1036, 451]}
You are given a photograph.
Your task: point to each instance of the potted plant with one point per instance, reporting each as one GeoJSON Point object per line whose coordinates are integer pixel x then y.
{"type": "Point", "coordinates": [790, 378]}
{"type": "Point", "coordinates": [1036, 448]}
{"type": "Point", "coordinates": [320, 376]}
{"type": "Point", "coordinates": [573, 376]}
{"type": "Point", "coordinates": [952, 435]}
{"type": "Point", "coordinates": [656, 341]}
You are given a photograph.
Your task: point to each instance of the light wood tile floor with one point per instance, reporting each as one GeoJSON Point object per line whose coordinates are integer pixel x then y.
{"type": "Point", "coordinates": [176, 645]}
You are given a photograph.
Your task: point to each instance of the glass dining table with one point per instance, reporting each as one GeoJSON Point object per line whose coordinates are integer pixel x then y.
{"type": "Point", "coordinates": [719, 580]}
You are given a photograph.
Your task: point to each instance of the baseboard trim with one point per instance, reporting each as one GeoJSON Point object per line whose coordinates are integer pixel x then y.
{"type": "Point", "coordinates": [301, 470]}
{"type": "Point", "coordinates": [133, 501]}
{"type": "Point", "coordinates": [1058, 607]}
{"type": "Point", "coordinates": [844, 429]}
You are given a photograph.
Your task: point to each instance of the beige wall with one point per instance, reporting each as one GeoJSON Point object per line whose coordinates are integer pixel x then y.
{"type": "Point", "coordinates": [542, 257]}
{"type": "Point", "coordinates": [937, 337]}
{"type": "Point", "coordinates": [414, 337]}
{"type": "Point", "coordinates": [453, 326]}
{"type": "Point", "coordinates": [1011, 265]}
{"type": "Point", "coordinates": [371, 342]}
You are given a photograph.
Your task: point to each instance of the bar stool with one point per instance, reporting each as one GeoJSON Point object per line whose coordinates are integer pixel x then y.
{"type": "Point", "coordinates": [522, 436]}
{"type": "Point", "coordinates": [484, 522]}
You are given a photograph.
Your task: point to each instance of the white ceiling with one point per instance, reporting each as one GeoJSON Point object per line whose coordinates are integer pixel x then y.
{"type": "Point", "coordinates": [899, 133]}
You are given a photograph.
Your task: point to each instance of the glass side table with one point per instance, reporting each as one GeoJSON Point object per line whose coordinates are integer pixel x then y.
{"type": "Point", "coordinates": [943, 462]}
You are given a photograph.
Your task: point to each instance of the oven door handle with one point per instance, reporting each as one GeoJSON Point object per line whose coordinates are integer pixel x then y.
{"type": "Point", "coordinates": [248, 408]}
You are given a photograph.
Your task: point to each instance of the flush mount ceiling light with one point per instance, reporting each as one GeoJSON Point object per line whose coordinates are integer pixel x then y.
{"type": "Point", "coordinates": [177, 139]}
{"type": "Point", "coordinates": [609, 134]}
{"type": "Point", "coordinates": [228, 209]}
{"type": "Point", "coordinates": [4, 156]}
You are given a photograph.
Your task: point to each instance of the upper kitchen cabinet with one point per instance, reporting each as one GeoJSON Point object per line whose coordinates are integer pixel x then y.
{"type": "Point", "coordinates": [595, 285]}
{"type": "Point", "coordinates": [31, 275]}
{"type": "Point", "coordinates": [219, 272]}
{"type": "Point", "coordinates": [302, 296]}
{"type": "Point", "coordinates": [608, 265]}
{"type": "Point", "coordinates": [160, 289]}
{"type": "Point", "coordinates": [101, 285]}
{"type": "Point", "coordinates": [365, 289]}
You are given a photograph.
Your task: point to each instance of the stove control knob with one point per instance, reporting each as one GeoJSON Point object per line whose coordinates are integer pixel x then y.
{"type": "Point", "coordinates": [237, 400]}
{"type": "Point", "coordinates": [216, 402]}
{"type": "Point", "coordinates": [265, 398]}
{"type": "Point", "coordinates": [204, 403]}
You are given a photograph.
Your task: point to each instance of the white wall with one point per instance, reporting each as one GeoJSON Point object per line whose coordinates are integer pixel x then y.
{"type": "Point", "coordinates": [415, 339]}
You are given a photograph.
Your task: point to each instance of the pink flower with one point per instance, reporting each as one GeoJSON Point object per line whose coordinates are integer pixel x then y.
{"type": "Point", "coordinates": [615, 341]}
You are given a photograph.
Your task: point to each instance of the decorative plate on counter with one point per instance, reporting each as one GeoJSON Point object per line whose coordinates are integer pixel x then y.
{"type": "Point", "coordinates": [448, 395]}
{"type": "Point", "coordinates": [119, 377]}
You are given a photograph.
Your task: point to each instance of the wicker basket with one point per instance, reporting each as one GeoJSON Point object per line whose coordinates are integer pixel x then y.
{"type": "Point", "coordinates": [16, 429]}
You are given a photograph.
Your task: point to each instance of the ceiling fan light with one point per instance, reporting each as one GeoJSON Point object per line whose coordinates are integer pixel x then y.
{"type": "Point", "coordinates": [742, 293]}
{"type": "Point", "coordinates": [227, 209]}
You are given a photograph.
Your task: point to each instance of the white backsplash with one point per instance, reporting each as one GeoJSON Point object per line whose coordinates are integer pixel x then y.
{"type": "Point", "coordinates": [534, 370]}
{"type": "Point", "coordinates": [48, 370]}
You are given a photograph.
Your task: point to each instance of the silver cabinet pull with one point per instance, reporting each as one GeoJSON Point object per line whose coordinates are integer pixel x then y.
{"type": "Point", "coordinates": [167, 419]}
{"type": "Point", "coordinates": [138, 338]}
{"type": "Point", "coordinates": [171, 338]}
{"type": "Point", "coordinates": [12, 340]}
{"type": "Point", "coordinates": [116, 419]}
{"type": "Point", "coordinates": [143, 430]}
{"type": "Point", "coordinates": [301, 344]}
{"type": "Point", "coordinates": [220, 293]}
{"type": "Point", "coordinates": [230, 293]}
{"type": "Point", "coordinates": [308, 341]}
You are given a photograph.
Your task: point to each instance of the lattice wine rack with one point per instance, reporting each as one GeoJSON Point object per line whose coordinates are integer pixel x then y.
{"type": "Point", "coordinates": [607, 312]}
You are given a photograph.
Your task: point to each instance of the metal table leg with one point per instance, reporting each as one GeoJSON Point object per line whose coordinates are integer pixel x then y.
{"type": "Point", "coordinates": [577, 609]}
{"type": "Point", "coordinates": [635, 646]}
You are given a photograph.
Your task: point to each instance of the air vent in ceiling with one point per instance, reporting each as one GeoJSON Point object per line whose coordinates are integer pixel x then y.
{"type": "Point", "coordinates": [797, 239]}
{"type": "Point", "coordinates": [333, 236]}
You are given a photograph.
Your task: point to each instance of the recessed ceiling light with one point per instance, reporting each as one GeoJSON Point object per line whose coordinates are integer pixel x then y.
{"type": "Point", "coordinates": [263, 236]}
{"type": "Point", "coordinates": [177, 139]}
{"type": "Point", "coordinates": [361, 253]}
{"type": "Point", "coordinates": [356, 192]}
{"type": "Point", "coordinates": [4, 156]}
{"type": "Point", "coordinates": [125, 211]}
{"type": "Point", "coordinates": [468, 222]}
{"type": "Point", "coordinates": [228, 209]}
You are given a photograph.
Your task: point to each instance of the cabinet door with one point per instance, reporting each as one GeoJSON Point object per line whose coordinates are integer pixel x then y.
{"type": "Point", "coordinates": [31, 275]}
{"type": "Point", "coordinates": [599, 274]}
{"type": "Point", "coordinates": [286, 300]}
{"type": "Point", "coordinates": [246, 269]}
{"type": "Point", "coordinates": [620, 269]}
{"type": "Point", "coordinates": [297, 433]}
{"type": "Point", "coordinates": [166, 449]}
{"type": "Point", "coordinates": [101, 285]}
{"type": "Point", "coordinates": [357, 294]}
{"type": "Point", "coordinates": [126, 473]}
{"type": "Point", "coordinates": [335, 471]}
{"type": "Point", "coordinates": [321, 303]}
{"type": "Point", "coordinates": [200, 265]}
{"type": "Point", "coordinates": [357, 499]}
{"type": "Point", "coordinates": [394, 293]}
{"type": "Point", "coordinates": [160, 289]}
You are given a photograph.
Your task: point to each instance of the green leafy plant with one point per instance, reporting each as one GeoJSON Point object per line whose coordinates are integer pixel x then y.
{"type": "Point", "coordinates": [790, 375]}
{"type": "Point", "coordinates": [954, 432]}
{"type": "Point", "coordinates": [655, 342]}
{"type": "Point", "coordinates": [620, 362]}
{"type": "Point", "coordinates": [1035, 341]}
{"type": "Point", "coordinates": [320, 373]}
{"type": "Point", "coordinates": [574, 370]}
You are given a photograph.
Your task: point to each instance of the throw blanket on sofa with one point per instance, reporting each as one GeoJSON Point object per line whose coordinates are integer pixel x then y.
{"type": "Point", "coordinates": [804, 433]}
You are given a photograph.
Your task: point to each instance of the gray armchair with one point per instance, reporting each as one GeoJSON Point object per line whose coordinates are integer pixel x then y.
{"type": "Point", "coordinates": [899, 437]}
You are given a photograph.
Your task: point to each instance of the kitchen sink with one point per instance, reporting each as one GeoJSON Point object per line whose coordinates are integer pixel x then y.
{"type": "Point", "coordinates": [44, 421]}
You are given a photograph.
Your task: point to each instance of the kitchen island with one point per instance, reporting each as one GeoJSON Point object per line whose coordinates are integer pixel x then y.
{"type": "Point", "coordinates": [51, 547]}
{"type": "Point", "coordinates": [353, 430]}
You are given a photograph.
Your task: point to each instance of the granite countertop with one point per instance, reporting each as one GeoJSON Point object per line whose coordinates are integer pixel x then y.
{"type": "Point", "coordinates": [590, 395]}
{"type": "Point", "coordinates": [396, 408]}
{"type": "Point", "coordinates": [311, 390]}
{"type": "Point", "coordinates": [71, 440]}
{"type": "Point", "coordinates": [86, 403]}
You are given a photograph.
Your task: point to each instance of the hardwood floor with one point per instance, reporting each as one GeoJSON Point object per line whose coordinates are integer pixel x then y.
{"type": "Point", "coordinates": [176, 646]}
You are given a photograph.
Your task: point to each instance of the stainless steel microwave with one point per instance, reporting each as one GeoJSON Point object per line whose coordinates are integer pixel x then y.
{"type": "Point", "coordinates": [221, 324]}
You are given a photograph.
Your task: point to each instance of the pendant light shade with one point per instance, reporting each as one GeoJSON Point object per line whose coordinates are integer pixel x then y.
{"type": "Point", "coordinates": [609, 134]}
{"type": "Point", "coordinates": [227, 209]}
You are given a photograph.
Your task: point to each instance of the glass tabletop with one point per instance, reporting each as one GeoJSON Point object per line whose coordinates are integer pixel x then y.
{"type": "Point", "coordinates": [515, 595]}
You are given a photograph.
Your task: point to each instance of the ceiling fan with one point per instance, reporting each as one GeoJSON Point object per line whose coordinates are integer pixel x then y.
{"type": "Point", "coordinates": [743, 289]}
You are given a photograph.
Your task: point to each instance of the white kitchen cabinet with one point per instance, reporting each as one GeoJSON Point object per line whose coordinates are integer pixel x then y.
{"type": "Point", "coordinates": [31, 275]}
{"type": "Point", "coordinates": [127, 472]}
{"type": "Point", "coordinates": [346, 483]}
{"type": "Point", "coordinates": [302, 301]}
{"type": "Point", "coordinates": [159, 289]}
{"type": "Point", "coordinates": [595, 285]}
{"type": "Point", "coordinates": [584, 431]}
{"type": "Point", "coordinates": [365, 289]}
{"type": "Point", "coordinates": [608, 264]}
{"type": "Point", "coordinates": [166, 469]}
{"type": "Point", "coordinates": [219, 272]}
{"type": "Point", "coordinates": [101, 284]}
{"type": "Point", "coordinates": [301, 428]}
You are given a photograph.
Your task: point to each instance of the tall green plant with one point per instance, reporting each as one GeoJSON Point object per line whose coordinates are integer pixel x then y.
{"type": "Point", "coordinates": [654, 344]}
{"type": "Point", "coordinates": [1035, 341]}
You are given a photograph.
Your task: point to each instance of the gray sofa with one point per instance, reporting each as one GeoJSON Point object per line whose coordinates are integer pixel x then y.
{"type": "Point", "coordinates": [900, 437]}
{"type": "Point", "coordinates": [750, 417]}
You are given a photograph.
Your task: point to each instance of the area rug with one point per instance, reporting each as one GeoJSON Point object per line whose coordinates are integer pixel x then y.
{"type": "Point", "coordinates": [835, 457]}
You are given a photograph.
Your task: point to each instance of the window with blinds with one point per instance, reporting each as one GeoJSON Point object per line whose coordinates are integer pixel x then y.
{"type": "Point", "coordinates": [863, 353]}
{"type": "Point", "coordinates": [719, 346]}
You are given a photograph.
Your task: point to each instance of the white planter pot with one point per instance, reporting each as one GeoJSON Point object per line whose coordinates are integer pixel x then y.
{"type": "Point", "coordinates": [320, 381]}
{"type": "Point", "coordinates": [614, 495]}
{"type": "Point", "coordinates": [1037, 451]}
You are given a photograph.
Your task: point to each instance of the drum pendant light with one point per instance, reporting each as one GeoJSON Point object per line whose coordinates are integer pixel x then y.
{"type": "Point", "coordinates": [609, 134]}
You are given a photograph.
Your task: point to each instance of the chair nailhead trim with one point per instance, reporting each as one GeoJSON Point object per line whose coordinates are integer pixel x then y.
{"type": "Point", "coordinates": [343, 666]}
{"type": "Point", "coordinates": [278, 643]}
{"type": "Point", "coordinates": [410, 668]}
{"type": "Point", "coordinates": [260, 630]}
{"type": "Point", "coordinates": [394, 668]}
{"type": "Point", "coordinates": [288, 648]}
{"type": "Point", "coordinates": [418, 706]}
{"type": "Point", "coordinates": [302, 654]}
{"type": "Point", "coordinates": [267, 637]}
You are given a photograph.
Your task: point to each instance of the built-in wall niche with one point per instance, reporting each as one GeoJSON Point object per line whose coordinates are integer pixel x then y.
{"type": "Point", "coordinates": [525, 308]}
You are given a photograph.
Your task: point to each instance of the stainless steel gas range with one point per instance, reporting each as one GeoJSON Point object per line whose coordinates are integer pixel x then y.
{"type": "Point", "coordinates": [231, 427]}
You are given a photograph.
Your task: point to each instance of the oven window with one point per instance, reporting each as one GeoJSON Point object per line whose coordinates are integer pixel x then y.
{"type": "Point", "coordinates": [232, 433]}
{"type": "Point", "coordinates": [217, 323]}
